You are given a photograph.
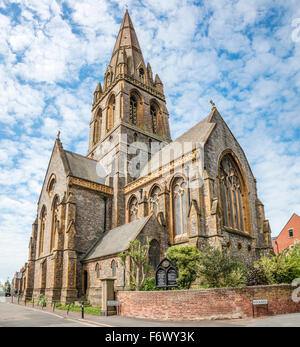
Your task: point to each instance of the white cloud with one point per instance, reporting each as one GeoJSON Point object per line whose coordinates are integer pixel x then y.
{"type": "Point", "coordinates": [240, 53]}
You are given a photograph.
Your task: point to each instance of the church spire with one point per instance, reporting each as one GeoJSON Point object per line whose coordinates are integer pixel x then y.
{"type": "Point", "coordinates": [127, 42]}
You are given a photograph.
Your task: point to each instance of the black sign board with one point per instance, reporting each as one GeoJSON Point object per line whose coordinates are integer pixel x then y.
{"type": "Point", "coordinates": [166, 274]}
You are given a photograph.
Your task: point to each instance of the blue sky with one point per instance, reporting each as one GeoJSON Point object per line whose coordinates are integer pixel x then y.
{"type": "Point", "coordinates": [245, 55]}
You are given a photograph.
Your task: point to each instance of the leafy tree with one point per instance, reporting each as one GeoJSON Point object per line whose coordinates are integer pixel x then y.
{"type": "Point", "coordinates": [42, 300]}
{"type": "Point", "coordinates": [138, 255]}
{"type": "Point", "coordinates": [281, 268]}
{"type": "Point", "coordinates": [255, 275]}
{"type": "Point", "coordinates": [7, 286]}
{"type": "Point", "coordinates": [219, 269]}
{"type": "Point", "coordinates": [186, 259]}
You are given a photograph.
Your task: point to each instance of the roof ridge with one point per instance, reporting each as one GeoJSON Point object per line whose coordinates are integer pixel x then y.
{"type": "Point", "coordinates": [202, 120]}
{"type": "Point", "coordinates": [83, 156]}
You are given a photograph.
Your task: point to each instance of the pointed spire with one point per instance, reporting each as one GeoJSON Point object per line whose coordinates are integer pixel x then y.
{"type": "Point", "coordinates": [157, 80]}
{"type": "Point", "coordinates": [150, 74]}
{"type": "Point", "coordinates": [158, 84]}
{"type": "Point", "coordinates": [98, 88]}
{"type": "Point", "coordinates": [127, 41]}
{"type": "Point", "coordinates": [97, 93]}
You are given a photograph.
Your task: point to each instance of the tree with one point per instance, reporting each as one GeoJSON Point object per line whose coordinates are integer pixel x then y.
{"type": "Point", "coordinates": [7, 286]}
{"type": "Point", "coordinates": [138, 255]}
{"type": "Point", "coordinates": [281, 268]}
{"type": "Point", "coordinates": [186, 259]}
{"type": "Point", "coordinates": [219, 269]}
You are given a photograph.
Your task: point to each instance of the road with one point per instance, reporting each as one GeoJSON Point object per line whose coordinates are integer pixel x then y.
{"type": "Point", "coordinates": [19, 316]}
{"type": "Point", "coordinates": [12, 315]}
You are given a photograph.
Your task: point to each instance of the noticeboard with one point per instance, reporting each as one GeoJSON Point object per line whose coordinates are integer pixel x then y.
{"type": "Point", "coordinates": [166, 274]}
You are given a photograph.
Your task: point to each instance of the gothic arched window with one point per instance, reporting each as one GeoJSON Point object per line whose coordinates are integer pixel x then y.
{"type": "Point", "coordinates": [97, 127]}
{"type": "Point", "coordinates": [154, 200]}
{"type": "Point", "coordinates": [133, 209]}
{"type": "Point", "coordinates": [154, 253]}
{"type": "Point", "coordinates": [113, 268]}
{"type": "Point", "coordinates": [111, 113]}
{"type": "Point", "coordinates": [142, 75]}
{"type": "Point", "coordinates": [51, 184]}
{"type": "Point", "coordinates": [53, 222]}
{"type": "Point", "coordinates": [179, 207]}
{"type": "Point", "coordinates": [153, 114]}
{"type": "Point", "coordinates": [97, 270]}
{"type": "Point", "coordinates": [231, 189]}
{"type": "Point", "coordinates": [42, 229]}
{"type": "Point", "coordinates": [133, 110]}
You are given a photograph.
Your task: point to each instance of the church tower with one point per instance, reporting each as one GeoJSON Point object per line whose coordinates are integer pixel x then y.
{"type": "Point", "coordinates": [129, 108]}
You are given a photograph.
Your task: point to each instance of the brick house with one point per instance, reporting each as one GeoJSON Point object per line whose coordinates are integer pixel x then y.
{"type": "Point", "coordinates": [198, 189]}
{"type": "Point", "coordinates": [289, 235]}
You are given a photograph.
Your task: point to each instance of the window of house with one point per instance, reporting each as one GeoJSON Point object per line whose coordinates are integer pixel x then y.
{"type": "Point", "coordinates": [291, 233]}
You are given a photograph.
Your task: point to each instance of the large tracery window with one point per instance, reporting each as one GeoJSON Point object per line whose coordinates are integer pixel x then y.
{"type": "Point", "coordinates": [179, 207]}
{"type": "Point", "coordinates": [133, 110]}
{"type": "Point", "coordinates": [231, 187]}
{"type": "Point", "coordinates": [154, 200]}
{"type": "Point", "coordinates": [133, 209]}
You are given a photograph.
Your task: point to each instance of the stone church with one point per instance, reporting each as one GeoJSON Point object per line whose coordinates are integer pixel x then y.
{"type": "Point", "coordinates": [135, 182]}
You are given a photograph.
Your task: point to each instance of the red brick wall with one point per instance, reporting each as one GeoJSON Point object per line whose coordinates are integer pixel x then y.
{"type": "Point", "coordinates": [284, 240]}
{"type": "Point", "coordinates": [228, 303]}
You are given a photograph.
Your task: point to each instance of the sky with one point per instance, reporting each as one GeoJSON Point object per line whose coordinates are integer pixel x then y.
{"type": "Point", "coordinates": [245, 55]}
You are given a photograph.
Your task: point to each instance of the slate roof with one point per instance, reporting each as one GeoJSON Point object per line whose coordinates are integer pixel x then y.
{"type": "Point", "coordinates": [117, 240]}
{"type": "Point", "coordinates": [82, 167]}
{"type": "Point", "coordinates": [198, 134]}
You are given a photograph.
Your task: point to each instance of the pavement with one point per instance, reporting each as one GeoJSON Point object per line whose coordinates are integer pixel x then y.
{"type": "Point", "coordinates": [14, 315]}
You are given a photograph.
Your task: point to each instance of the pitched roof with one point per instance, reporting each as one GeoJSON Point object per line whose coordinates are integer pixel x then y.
{"type": "Point", "coordinates": [117, 240]}
{"type": "Point", "coordinates": [83, 167]}
{"type": "Point", "coordinates": [198, 134]}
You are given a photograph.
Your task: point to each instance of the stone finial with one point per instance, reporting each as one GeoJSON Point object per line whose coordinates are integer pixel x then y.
{"type": "Point", "coordinates": [58, 135]}
{"type": "Point", "coordinates": [212, 104]}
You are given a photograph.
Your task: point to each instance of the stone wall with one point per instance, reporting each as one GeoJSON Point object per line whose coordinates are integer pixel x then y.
{"type": "Point", "coordinates": [225, 303]}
